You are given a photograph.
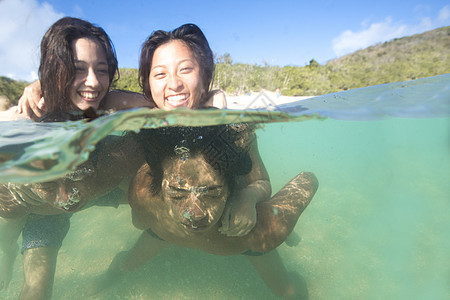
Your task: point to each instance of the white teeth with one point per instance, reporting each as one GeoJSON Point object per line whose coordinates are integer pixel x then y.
{"type": "Point", "coordinates": [89, 95]}
{"type": "Point", "coordinates": [176, 98]}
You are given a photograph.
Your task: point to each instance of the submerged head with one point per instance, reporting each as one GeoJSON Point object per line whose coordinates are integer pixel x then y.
{"type": "Point", "coordinates": [194, 192]}
{"type": "Point", "coordinates": [78, 65]}
{"type": "Point", "coordinates": [68, 193]}
{"type": "Point", "coordinates": [194, 169]}
{"type": "Point", "coordinates": [176, 68]}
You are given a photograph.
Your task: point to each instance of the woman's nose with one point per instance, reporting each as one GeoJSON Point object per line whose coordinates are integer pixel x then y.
{"type": "Point", "coordinates": [175, 82]}
{"type": "Point", "coordinates": [91, 78]}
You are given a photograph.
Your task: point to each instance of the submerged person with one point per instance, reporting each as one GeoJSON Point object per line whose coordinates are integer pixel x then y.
{"type": "Point", "coordinates": [176, 70]}
{"type": "Point", "coordinates": [77, 67]}
{"type": "Point", "coordinates": [125, 100]}
{"type": "Point", "coordinates": [179, 197]}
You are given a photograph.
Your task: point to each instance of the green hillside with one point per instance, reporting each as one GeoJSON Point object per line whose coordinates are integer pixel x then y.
{"type": "Point", "coordinates": [11, 89]}
{"type": "Point", "coordinates": [417, 56]}
{"type": "Point", "coordinates": [407, 58]}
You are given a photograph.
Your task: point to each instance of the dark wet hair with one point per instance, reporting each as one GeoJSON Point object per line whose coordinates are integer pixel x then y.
{"type": "Point", "coordinates": [225, 148]}
{"type": "Point", "coordinates": [194, 38]}
{"type": "Point", "coordinates": [57, 68]}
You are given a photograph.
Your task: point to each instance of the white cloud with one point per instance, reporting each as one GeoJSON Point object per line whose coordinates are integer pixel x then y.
{"type": "Point", "coordinates": [371, 34]}
{"type": "Point", "coordinates": [22, 25]}
{"type": "Point", "coordinates": [444, 14]}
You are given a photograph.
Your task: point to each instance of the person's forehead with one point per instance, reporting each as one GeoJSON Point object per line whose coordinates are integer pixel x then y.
{"type": "Point", "coordinates": [173, 50]}
{"type": "Point", "coordinates": [84, 46]}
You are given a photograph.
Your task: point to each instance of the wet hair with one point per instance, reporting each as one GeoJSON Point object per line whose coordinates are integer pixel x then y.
{"type": "Point", "coordinates": [194, 38]}
{"type": "Point", "coordinates": [57, 68]}
{"type": "Point", "coordinates": [224, 147]}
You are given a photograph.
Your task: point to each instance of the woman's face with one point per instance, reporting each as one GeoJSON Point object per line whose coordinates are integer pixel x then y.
{"type": "Point", "coordinates": [91, 81]}
{"type": "Point", "coordinates": [194, 192]}
{"type": "Point", "coordinates": [174, 78]}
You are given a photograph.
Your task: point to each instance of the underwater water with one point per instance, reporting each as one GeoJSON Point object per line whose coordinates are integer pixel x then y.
{"type": "Point", "coordinates": [377, 227]}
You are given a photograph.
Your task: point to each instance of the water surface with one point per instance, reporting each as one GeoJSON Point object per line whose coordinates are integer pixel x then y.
{"type": "Point", "coordinates": [376, 229]}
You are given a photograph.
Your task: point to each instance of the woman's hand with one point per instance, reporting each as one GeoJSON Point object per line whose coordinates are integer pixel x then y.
{"type": "Point", "coordinates": [31, 104]}
{"type": "Point", "coordinates": [239, 216]}
{"type": "Point", "coordinates": [24, 194]}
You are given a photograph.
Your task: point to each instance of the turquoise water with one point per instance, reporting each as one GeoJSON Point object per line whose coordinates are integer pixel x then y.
{"type": "Point", "coordinates": [376, 229]}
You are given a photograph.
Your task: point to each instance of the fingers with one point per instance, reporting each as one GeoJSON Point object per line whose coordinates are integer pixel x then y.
{"type": "Point", "coordinates": [225, 219]}
{"type": "Point", "coordinates": [23, 195]}
{"type": "Point", "coordinates": [29, 196]}
{"type": "Point", "coordinates": [31, 104]}
{"type": "Point", "coordinates": [237, 226]}
{"type": "Point", "coordinates": [41, 103]}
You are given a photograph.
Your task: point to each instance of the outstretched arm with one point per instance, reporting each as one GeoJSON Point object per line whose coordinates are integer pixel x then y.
{"type": "Point", "coordinates": [278, 216]}
{"type": "Point", "coordinates": [32, 104]}
{"type": "Point", "coordinates": [119, 100]}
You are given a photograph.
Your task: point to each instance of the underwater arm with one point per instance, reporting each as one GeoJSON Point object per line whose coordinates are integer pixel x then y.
{"type": "Point", "coordinates": [240, 217]}
{"type": "Point", "coordinates": [278, 216]}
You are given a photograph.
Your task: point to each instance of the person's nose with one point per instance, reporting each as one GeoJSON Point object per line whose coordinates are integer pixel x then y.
{"type": "Point", "coordinates": [91, 78]}
{"type": "Point", "coordinates": [196, 209]}
{"type": "Point", "coordinates": [175, 82]}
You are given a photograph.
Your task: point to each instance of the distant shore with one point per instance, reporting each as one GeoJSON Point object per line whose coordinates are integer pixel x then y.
{"type": "Point", "coordinates": [255, 100]}
{"type": "Point", "coordinates": [260, 100]}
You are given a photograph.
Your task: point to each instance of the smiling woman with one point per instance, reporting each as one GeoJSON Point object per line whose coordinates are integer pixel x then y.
{"type": "Point", "coordinates": [91, 80]}
{"type": "Point", "coordinates": [176, 69]}
{"type": "Point", "coordinates": [175, 83]}
{"type": "Point", "coordinates": [78, 64]}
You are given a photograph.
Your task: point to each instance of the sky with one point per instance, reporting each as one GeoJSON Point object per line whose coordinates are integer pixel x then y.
{"type": "Point", "coordinates": [283, 32]}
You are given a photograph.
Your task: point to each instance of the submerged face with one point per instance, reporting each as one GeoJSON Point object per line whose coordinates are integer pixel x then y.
{"type": "Point", "coordinates": [67, 193]}
{"type": "Point", "coordinates": [194, 192]}
{"type": "Point", "coordinates": [174, 78]}
{"type": "Point", "coordinates": [91, 81]}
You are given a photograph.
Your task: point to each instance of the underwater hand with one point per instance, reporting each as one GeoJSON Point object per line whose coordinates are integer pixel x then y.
{"type": "Point", "coordinates": [239, 216]}
{"type": "Point", "coordinates": [24, 195]}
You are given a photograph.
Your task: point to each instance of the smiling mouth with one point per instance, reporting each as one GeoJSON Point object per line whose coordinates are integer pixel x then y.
{"type": "Point", "coordinates": [177, 100]}
{"type": "Point", "coordinates": [89, 96]}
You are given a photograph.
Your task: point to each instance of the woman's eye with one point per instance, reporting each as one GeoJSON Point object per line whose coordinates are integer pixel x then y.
{"type": "Point", "coordinates": [186, 69]}
{"type": "Point", "coordinates": [103, 71]}
{"type": "Point", "coordinates": [158, 73]}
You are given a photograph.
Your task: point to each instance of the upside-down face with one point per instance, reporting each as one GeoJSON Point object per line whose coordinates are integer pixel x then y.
{"type": "Point", "coordinates": [194, 192]}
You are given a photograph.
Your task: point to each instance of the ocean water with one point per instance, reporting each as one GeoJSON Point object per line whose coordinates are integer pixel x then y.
{"type": "Point", "coordinates": [377, 227]}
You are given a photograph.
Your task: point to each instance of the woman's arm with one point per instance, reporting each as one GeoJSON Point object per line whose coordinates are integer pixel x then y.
{"type": "Point", "coordinates": [31, 104]}
{"type": "Point", "coordinates": [240, 217]}
{"type": "Point", "coordinates": [119, 100]}
{"type": "Point", "coordinates": [216, 99]}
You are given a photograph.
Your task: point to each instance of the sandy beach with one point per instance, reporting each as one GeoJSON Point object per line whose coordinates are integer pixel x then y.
{"type": "Point", "coordinates": [260, 100]}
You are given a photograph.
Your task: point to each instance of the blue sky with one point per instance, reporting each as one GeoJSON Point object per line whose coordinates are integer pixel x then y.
{"type": "Point", "coordinates": [283, 32]}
